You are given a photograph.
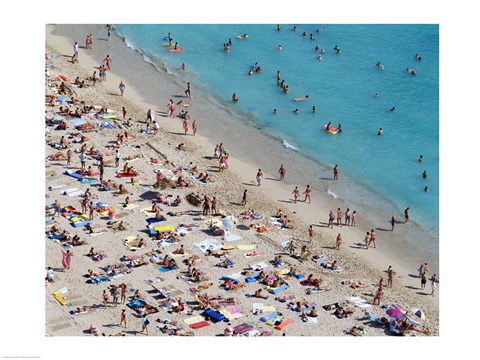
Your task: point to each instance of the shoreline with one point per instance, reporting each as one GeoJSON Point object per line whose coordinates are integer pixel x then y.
{"type": "Point", "coordinates": [273, 190]}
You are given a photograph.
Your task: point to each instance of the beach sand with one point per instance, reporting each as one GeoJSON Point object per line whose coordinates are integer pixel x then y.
{"type": "Point", "coordinates": [357, 263]}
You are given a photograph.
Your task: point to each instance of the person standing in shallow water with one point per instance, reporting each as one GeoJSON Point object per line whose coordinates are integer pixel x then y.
{"type": "Point", "coordinates": [335, 172]}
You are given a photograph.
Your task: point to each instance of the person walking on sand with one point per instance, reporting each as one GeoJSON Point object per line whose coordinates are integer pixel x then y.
{"type": "Point", "coordinates": [392, 222]}
{"type": "Point", "coordinates": [117, 158]}
{"type": "Point", "coordinates": [310, 232]}
{"type": "Point", "coordinates": [83, 158]}
{"type": "Point", "coordinates": [194, 127]}
{"type": "Point", "coordinates": [108, 61]}
{"type": "Point", "coordinates": [91, 209]}
{"type": "Point", "coordinates": [390, 274]}
{"type": "Point", "coordinates": [69, 157]}
{"type": "Point", "coordinates": [367, 240]}
{"type": "Point", "coordinates": [378, 297]}
{"type": "Point", "coordinates": [308, 192]}
{"type": "Point", "coordinates": [145, 323]}
{"type": "Point", "coordinates": [423, 281]}
{"type": "Point", "coordinates": [259, 177]}
{"type": "Point", "coordinates": [406, 214]}
{"type": "Point", "coordinates": [66, 257]}
{"type": "Point", "coordinates": [435, 280]}
{"type": "Point", "coordinates": [123, 318]}
{"type": "Point", "coordinates": [188, 92]}
{"type": "Point", "coordinates": [373, 237]}
{"type": "Point", "coordinates": [338, 242]}
{"type": "Point", "coordinates": [105, 298]}
{"type": "Point", "coordinates": [423, 269]}
{"type": "Point", "coordinates": [296, 194]}
{"type": "Point", "coordinates": [282, 172]}
{"type": "Point", "coordinates": [121, 87]}
{"type": "Point", "coordinates": [116, 296]}
{"type": "Point", "coordinates": [244, 198]}
{"type": "Point", "coordinates": [185, 126]}
{"type": "Point", "coordinates": [57, 207]}
{"type": "Point", "coordinates": [354, 218]}
{"type": "Point", "coordinates": [335, 172]}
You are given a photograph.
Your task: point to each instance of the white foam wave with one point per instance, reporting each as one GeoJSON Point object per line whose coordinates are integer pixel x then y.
{"type": "Point", "coordinates": [288, 146]}
{"type": "Point", "coordinates": [332, 194]}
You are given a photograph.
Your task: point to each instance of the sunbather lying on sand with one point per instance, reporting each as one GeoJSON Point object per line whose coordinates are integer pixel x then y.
{"type": "Point", "coordinates": [57, 156]}
{"type": "Point", "coordinates": [258, 294]}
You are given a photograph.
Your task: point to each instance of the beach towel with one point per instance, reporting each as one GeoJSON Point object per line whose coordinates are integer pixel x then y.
{"type": "Point", "coordinates": [73, 174]}
{"type": "Point", "coordinates": [214, 315]}
{"type": "Point", "coordinates": [283, 325]}
{"type": "Point", "coordinates": [166, 269]}
{"type": "Point", "coordinates": [247, 247]}
{"type": "Point", "coordinates": [80, 223]}
{"type": "Point", "coordinates": [359, 302]}
{"type": "Point", "coordinates": [243, 328]}
{"type": "Point", "coordinates": [259, 266]}
{"type": "Point", "coordinates": [299, 276]}
{"type": "Point", "coordinates": [269, 317]}
{"type": "Point", "coordinates": [194, 319]}
{"type": "Point", "coordinates": [251, 255]}
{"type": "Point", "coordinates": [89, 180]}
{"type": "Point", "coordinates": [56, 187]}
{"type": "Point", "coordinates": [128, 206]}
{"type": "Point", "coordinates": [98, 280]}
{"type": "Point", "coordinates": [199, 325]}
{"type": "Point", "coordinates": [136, 304]}
{"type": "Point", "coordinates": [154, 220]}
{"type": "Point", "coordinates": [236, 281]}
{"type": "Point", "coordinates": [277, 289]}
{"type": "Point", "coordinates": [78, 122]}
{"type": "Point", "coordinates": [147, 211]}
{"type": "Point", "coordinates": [231, 237]}
{"type": "Point", "coordinates": [162, 229]}
{"type": "Point", "coordinates": [122, 174]}
{"type": "Point", "coordinates": [209, 244]}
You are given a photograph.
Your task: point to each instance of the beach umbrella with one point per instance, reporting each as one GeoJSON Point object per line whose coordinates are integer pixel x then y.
{"type": "Point", "coordinates": [395, 313]}
{"type": "Point", "coordinates": [228, 223]}
{"type": "Point", "coordinates": [419, 313]}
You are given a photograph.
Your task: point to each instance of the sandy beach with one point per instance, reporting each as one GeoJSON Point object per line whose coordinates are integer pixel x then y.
{"type": "Point", "coordinates": [358, 265]}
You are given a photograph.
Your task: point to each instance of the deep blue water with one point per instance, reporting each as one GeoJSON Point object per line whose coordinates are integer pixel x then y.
{"type": "Point", "coordinates": [340, 86]}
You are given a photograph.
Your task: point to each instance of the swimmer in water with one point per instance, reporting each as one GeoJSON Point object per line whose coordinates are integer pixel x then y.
{"type": "Point", "coordinates": [250, 72]}
{"type": "Point", "coordinates": [339, 128]}
{"type": "Point", "coordinates": [322, 51]}
{"type": "Point", "coordinates": [377, 94]}
{"type": "Point", "coordinates": [329, 126]}
{"type": "Point", "coordinates": [380, 132]}
{"type": "Point", "coordinates": [317, 48]}
{"type": "Point", "coordinates": [424, 175]}
{"type": "Point", "coordinates": [418, 57]}
{"type": "Point", "coordinates": [279, 47]}
{"type": "Point", "coordinates": [294, 28]}
{"type": "Point", "coordinates": [304, 34]}
{"type": "Point", "coordinates": [312, 37]}
{"type": "Point", "coordinates": [234, 97]}
{"type": "Point", "coordinates": [184, 67]}
{"type": "Point", "coordinates": [275, 111]}
{"type": "Point", "coordinates": [295, 111]}
{"type": "Point", "coordinates": [392, 109]}
{"type": "Point", "coordinates": [412, 71]}
{"type": "Point", "coordinates": [314, 109]}
{"type": "Point", "coordinates": [426, 189]}
{"type": "Point", "coordinates": [319, 58]}
{"type": "Point", "coordinates": [420, 159]}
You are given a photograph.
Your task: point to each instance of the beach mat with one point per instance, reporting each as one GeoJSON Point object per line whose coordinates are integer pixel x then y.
{"type": "Point", "coordinates": [283, 325]}
{"type": "Point", "coordinates": [199, 325]}
{"type": "Point", "coordinates": [165, 269]}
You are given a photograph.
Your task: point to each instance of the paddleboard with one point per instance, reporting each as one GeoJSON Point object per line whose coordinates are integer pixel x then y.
{"type": "Point", "coordinates": [301, 99]}
{"type": "Point", "coordinates": [242, 37]}
{"type": "Point", "coordinates": [176, 50]}
{"type": "Point", "coordinates": [168, 44]}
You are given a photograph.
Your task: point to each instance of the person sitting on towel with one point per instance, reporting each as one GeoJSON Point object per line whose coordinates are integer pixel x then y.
{"type": "Point", "coordinates": [259, 295]}
{"type": "Point", "coordinates": [180, 250]}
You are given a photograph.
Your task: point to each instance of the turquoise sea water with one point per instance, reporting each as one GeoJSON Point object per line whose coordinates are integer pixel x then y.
{"type": "Point", "coordinates": [340, 86]}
